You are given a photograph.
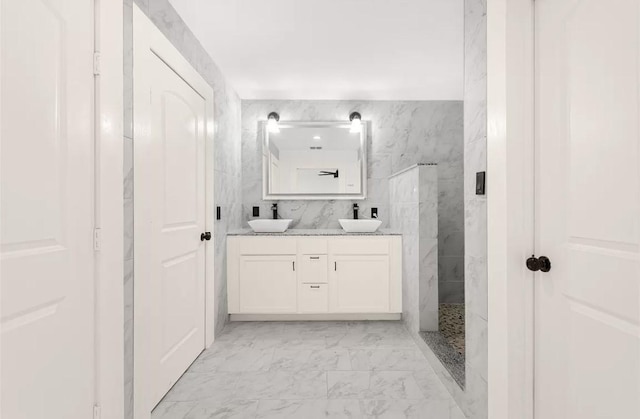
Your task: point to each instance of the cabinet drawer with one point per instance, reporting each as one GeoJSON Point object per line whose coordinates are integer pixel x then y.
{"type": "Point", "coordinates": [267, 246]}
{"type": "Point", "coordinates": [313, 269]}
{"type": "Point", "coordinates": [312, 246]}
{"type": "Point", "coordinates": [313, 298]}
{"type": "Point", "coordinates": [360, 246]}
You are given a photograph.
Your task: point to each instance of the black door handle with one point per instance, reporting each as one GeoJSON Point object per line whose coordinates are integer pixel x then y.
{"type": "Point", "coordinates": [542, 264]}
{"type": "Point", "coordinates": [205, 236]}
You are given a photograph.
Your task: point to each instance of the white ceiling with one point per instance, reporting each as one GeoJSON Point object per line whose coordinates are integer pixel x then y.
{"type": "Point", "coordinates": [333, 49]}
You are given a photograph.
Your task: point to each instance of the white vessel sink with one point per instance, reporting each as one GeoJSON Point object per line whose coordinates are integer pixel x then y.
{"type": "Point", "coordinates": [360, 226]}
{"type": "Point", "coordinates": [270, 226]}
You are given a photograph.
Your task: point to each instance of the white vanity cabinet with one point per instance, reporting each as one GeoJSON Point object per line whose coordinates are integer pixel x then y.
{"type": "Point", "coordinates": [306, 276]}
{"type": "Point", "coordinates": [360, 284]}
{"type": "Point", "coordinates": [268, 284]}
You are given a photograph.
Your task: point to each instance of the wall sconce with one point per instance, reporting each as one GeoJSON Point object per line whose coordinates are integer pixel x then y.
{"type": "Point", "coordinates": [272, 122]}
{"type": "Point", "coordinates": [356, 122]}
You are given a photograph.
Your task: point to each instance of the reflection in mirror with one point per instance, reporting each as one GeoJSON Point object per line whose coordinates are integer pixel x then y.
{"type": "Point", "coordinates": [314, 160]}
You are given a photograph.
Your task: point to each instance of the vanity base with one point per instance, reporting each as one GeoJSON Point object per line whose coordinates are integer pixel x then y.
{"type": "Point", "coordinates": [315, 277]}
{"type": "Point", "coordinates": [243, 317]}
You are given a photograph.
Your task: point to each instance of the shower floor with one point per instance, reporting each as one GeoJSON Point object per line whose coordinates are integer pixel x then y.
{"type": "Point", "coordinates": [448, 343]}
{"type": "Point", "coordinates": [452, 325]}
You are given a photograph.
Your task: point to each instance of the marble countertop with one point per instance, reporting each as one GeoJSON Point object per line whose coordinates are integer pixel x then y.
{"type": "Point", "coordinates": [312, 232]}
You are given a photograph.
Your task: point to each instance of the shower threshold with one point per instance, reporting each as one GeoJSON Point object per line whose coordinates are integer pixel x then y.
{"type": "Point", "coordinates": [448, 343]}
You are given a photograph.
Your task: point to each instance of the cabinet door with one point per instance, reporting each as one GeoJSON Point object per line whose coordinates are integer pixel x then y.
{"type": "Point", "coordinates": [359, 284]}
{"type": "Point", "coordinates": [268, 284]}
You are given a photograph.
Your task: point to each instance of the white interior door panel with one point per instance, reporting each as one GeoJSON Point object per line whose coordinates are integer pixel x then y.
{"type": "Point", "coordinates": [587, 324]}
{"type": "Point", "coordinates": [171, 108]}
{"type": "Point", "coordinates": [47, 209]}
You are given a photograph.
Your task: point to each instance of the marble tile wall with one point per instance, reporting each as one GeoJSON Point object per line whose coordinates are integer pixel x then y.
{"type": "Point", "coordinates": [402, 133]}
{"type": "Point", "coordinates": [475, 160]}
{"type": "Point", "coordinates": [428, 259]}
{"type": "Point", "coordinates": [413, 197]}
{"type": "Point", "coordinates": [227, 191]}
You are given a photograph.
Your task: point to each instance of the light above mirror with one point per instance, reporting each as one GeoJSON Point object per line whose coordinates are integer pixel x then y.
{"type": "Point", "coordinates": [314, 160]}
{"type": "Point", "coordinates": [356, 122]}
{"type": "Point", "coordinates": [272, 122]}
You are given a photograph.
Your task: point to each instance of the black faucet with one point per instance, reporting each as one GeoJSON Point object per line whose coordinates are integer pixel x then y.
{"type": "Point", "coordinates": [355, 211]}
{"type": "Point", "coordinates": [274, 208]}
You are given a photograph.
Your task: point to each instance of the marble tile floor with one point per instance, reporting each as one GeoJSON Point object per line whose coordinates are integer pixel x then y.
{"type": "Point", "coordinates": [308, 370]}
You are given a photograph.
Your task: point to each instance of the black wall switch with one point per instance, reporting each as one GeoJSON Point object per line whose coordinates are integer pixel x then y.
{"type": "Point", "coordinates": [480, 181]}
{"type": "Point", "coordinates": [256, 211]}
{"type": "Point", "coordinates": [374, 212]}
{"type": "Point", "coordinates": [218, 213]}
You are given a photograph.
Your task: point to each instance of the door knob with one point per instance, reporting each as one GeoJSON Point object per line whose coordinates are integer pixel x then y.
{"type": "Point", "coordinates": [205, 236]}
{"type": "Point", "coordinates": [542, 264]}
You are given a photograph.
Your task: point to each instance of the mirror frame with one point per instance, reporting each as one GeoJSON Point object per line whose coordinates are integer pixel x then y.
{"type": "Point", "coordinates": [265, 162]}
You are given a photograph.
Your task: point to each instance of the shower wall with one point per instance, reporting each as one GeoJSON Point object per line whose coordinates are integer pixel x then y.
{"type": "Point", "coordinates": [413, 195]}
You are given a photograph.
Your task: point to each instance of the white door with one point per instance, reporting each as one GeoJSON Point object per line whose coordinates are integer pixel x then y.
{"type": "Point", "coordinates": [47, 209]}
{"type": "Point", "coordinates": [169, 165]}
{"type": "Point", "coordinates": [359, 284]}
{"type": "Point", "coordinates": [587, 311]}
{"type": "Point", "coordinates": [268, 284]}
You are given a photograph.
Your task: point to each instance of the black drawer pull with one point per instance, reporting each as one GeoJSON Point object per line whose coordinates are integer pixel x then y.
{"type": "Point", "coordinates": [314, 257]}
{"type": "Point", "coordinates": [315, 286]}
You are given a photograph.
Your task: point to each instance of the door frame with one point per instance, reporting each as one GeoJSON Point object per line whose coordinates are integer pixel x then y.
{"type": "Point", "coordinates": [147, 36]}
{"type": "Point", "coordinates": [109, 259]}
{"type": "Point", "coordinates": [510, 208]}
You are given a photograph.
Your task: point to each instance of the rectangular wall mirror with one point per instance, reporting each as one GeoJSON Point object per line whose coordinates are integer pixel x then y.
{"type": "Point", "coordinates": [314, 160]}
